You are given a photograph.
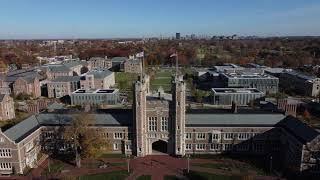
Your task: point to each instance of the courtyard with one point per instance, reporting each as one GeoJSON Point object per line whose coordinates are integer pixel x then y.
{"type": "Point", "coordinates": [158, 167]}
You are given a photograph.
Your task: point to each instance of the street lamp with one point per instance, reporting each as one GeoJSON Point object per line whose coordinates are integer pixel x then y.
{"type": "Point", "coordinates": [128, 162]}
{"type": "Point", "coordinates": [188, 163]}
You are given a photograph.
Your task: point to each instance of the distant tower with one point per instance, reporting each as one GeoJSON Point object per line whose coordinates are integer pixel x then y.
{"type": "Point", "coordinates": [178, 36]}
{"type": "Point", "coordinates": [178, 115]}
{"type": "Point", "coordinates": [141, 89]}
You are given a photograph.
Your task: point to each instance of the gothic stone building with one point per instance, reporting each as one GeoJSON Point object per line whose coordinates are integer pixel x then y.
{"type": "Point", "coordinates": [159, 123]}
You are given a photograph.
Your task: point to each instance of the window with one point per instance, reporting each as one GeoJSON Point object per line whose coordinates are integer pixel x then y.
{"type": "Point", "coordinates": [115, 146]}
{"type": "Point", "coordinates": [164, 124]}
{"type": "Point", "coordinates": [1, 139]}
{"type": "Point", "coordinates": [118, 135]}
{"type": "Point", "coordinates": [152, 123]}
{"type": "Point", "coordinates": [242, 147]}
{"type": "Point", "coordinates": [215, 136]}
{"type": "Point", "coordinates": [228, 147]}
{"type": "Point", "coordinates": [188, 135]}
{"type": "Point", "coordinates": [201, 147]}
{"type": "Point", "coordinates": [214, 146]}
{"type": "Point", "coordinates": [258, 148]}
{"type": "Point", "coordinates": [5, 166]}
{"type": "Point", "coordinates": [243, 136]}
{"type": "Point", "coordinates": [201, 135]}
{"type": "Point", "coordinates": [128, 147]}
{"type": "Point", "coordinates": [228, 136]}
{"type": "Point", "coordinates": [5, 152]}
{"type": "Point", "coordinates": [188, 146]}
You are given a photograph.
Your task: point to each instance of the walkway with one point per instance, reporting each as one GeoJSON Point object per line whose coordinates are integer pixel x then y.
{"type": "Point", "coordinates": [157, 166]}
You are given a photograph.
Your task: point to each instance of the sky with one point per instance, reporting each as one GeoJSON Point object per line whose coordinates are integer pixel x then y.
{"type": "Point", "coordinates": [36, 19]}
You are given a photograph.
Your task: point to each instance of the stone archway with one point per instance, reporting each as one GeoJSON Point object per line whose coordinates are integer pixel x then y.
{"type": "Point", "coordinates": [159, 147]}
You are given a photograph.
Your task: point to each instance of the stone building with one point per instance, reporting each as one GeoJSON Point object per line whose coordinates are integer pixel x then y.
{"type": "Point", "coordinates": [159, 124]}
{"type": "Point", "coordinates": [27, 85]}
{"type": "Point", "coordinates": [98, 62]}
{"type": "Point", "coordinates": [6, 107]}
{"type": "Point", "coordinates": [133, 66]}
{"type": "Point", "coordinates": [263, 82]}
{"type": "Point", "coordinates": [97, 79]}
{"type": "Point", "coordinates": [300, 83]}
{"type": "Point", "coordinates": [63, 86]}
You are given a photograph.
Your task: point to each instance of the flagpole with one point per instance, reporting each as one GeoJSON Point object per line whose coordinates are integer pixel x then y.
{"type": "Point", "coordinates": [176, 63]}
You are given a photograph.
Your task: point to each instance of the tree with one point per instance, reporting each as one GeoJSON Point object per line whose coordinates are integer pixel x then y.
{"type": "Point", "coordinates": [85, 140]}
{"type": "Point", "coordinates": [306, 115]}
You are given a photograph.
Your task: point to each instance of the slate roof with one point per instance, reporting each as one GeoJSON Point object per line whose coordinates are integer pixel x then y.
{"type": "Point", "coordinates": [58, 68]}
{"type": "Point", "coordinates": [231, 119]}
{"type": "Point", "coordinates": [29, 125]}
{"type": "Point", "coordinates": [99, 74]}
{"type": "Point", "coordinates": [119, 59]}
{"type": "Point", "coordinates": [66, 79]}
{"type": "Point", "coordinates": [300, 130]}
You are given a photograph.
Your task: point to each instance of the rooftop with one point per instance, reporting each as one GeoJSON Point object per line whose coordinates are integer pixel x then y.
{"type": "Point", "coordinates": [95, 91]}
{"type": "Point", "coordinates": [301, 75]}
{"type": "Point", "coordinates": [235, 90]}
{"type": "Point", "coordinates": [100, 73]}
{"type": "Point", "coordinates": [66, 79]}
{"type": "Point", "coordinates": [244, 75]}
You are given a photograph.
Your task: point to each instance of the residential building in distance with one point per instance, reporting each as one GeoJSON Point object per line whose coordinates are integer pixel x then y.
{"type": "Point", "coordinates": [29, 85]}
{"type": "Point", "coordinates": [62, 86]}
{"type": "Point", "coordinates": [54, 71]}
{"type": "Point", "coordinates": [159, 123]}
{"type": "Point", "coordinates": [66, 68]}
{"type": "Point", "coordinates": [239, 96]}
{"type": "Point", "coordinates": [6, 107]}
{"type": "Point", "coordinates": [117, 63]}
{"type": "Point", "coordinates": [300, 83]}
{"type": "Point", "coordinates": [99, 62]}
{"type": "Point", "coordinates": [133, 65]}
{"type": "Point", "coordinates": [4, 86]}
{"type": "Point", "coordinates": [95, 97]}
{"type": "Point", "coordinates": [263, 82]}
{"type": "Point", "coordinates": [97, 79]}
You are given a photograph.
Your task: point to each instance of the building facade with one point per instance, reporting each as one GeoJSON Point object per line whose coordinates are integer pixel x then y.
{"type": "Point", "coordinates": [63, 86]}
{"type": "Point", "coordinates": [95, 97]}
{"type": "Point", "coordinates": [263, 82]}
{"type": "Point", "coordinates": [98, 79]}
{"type": "Point", "coordinates": [27, 85]}
{"type": "Point", "coordinates": [6, 107]}
{"type": "Point", "coordinates": [133, 66]}
{"type": "Point", "coordinates": [300, 83]}
{"type": "Point", "coordinates": [240, 96]}
{"type": "Point", "coordinates": [159, 124]}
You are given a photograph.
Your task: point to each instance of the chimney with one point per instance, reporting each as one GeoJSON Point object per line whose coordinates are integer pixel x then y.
{"type": "Point", "coordinates": [234, 107]}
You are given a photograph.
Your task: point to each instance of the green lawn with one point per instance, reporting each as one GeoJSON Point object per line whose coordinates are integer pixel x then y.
{"type": "Point", "coordinates": [125, 80]}
{"type": "Point", "coordinates": [55, 167]}
{"type": "Point", "coordinates": [170, 177]}
{"type": "Point", "coordinates": [208, 176]}
{"type": "Point", "coordinates": [116, 175]}
{"type": "Point", "coordinates": [162, 79]}
{"type": "Point", "coordinates": [111, 155]}
{"type": "Point", "coordinates": [144, 177]}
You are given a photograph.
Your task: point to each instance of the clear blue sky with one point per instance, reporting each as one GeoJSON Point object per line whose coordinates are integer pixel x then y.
{"type": "Point", "coordinates": [145, 18]}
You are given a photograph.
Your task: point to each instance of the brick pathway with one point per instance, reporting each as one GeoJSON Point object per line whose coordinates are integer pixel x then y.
{"type": "Point", "coordinates": [157, 166]}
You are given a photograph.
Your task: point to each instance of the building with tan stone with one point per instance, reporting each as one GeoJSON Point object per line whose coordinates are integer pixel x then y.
{"type": "Point", "coordinates": [160, 124]}
{"type": "Point", "coordinates": [6, 107]}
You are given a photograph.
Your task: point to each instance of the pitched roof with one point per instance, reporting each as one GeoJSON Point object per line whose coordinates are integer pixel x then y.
{"type": "Point", "coordinates": [297, 128]}
{"type": "Point", "coordinates": [231, 119]}
{"type": "Point", "coordinates": [119, 59]}
{"type": "Point", "coordinates": [66, 79]}
{"type": "Point", "coordinates": [32, 123]}
{"type": "Point", "coordinates": [58, 68]}
{"type": "Point", "coordinates": [100, 73]}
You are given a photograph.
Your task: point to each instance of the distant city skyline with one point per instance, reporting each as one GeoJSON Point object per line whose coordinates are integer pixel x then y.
{"type": "Point", "coordinates": [38, 19]}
